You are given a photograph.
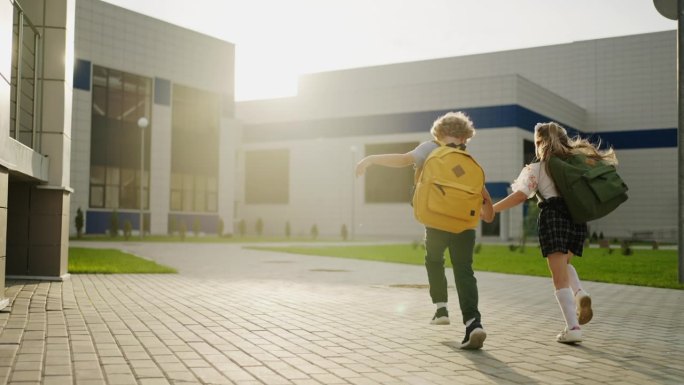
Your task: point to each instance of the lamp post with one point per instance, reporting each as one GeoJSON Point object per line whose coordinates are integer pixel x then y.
{"type": "Point", "coordinates": [352, 228]}
{"type": "Point", "coordinates": [142, 124]}
{"type": "Point", "coordinates": [674, 10]}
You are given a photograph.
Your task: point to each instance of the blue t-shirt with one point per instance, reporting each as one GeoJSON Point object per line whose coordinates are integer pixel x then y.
{"type": "Point", "coordinates": [421, 152]}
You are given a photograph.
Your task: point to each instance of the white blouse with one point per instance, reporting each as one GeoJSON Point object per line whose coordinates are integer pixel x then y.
{"type": "Point", "coordinates": [533, 178]}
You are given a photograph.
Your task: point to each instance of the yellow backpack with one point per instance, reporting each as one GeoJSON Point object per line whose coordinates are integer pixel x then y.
{"type": "Point", "coordinates": [448, 190]}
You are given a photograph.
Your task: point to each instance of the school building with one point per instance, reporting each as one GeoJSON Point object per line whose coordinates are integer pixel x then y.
{"type": "Point", "coordinates": [297, 156]}
{"type": "Point", "coordinates": [113, 114]}
{"type": "Point", "coordinates": [118, 115]}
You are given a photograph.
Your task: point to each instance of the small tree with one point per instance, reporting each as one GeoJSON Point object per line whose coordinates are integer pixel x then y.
{"type": "Point", "coordinates": [219, 227]}
{"type": "Point", "coordinates": [196, 226]}
{"type": "Point", "coordinates": [78, 221]}
{"type": "Point", "coordinates": [173, 225]}
{"type": "Point", "coordinates": [259, 227]}
{"type": "Point", "coordinates": [529, 223]}
{"type": "Point", "coordinates": [288, 229]}
{"type": "Point", "coordinates": [314, 231]}
{"type": "Point", "coordinates": [114, 224]}
{"type": "Point", "coordinates": [344, 232]}
{"type": "Point", "coordinates": [182, 228]}
{"type": "Point", "coordinates": [127, 229]}
{"type": "Point", "coordinates": [242, 227]}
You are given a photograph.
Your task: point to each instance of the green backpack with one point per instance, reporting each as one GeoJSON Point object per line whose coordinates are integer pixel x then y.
{"type": "Point", "coordinates": [591, 188]}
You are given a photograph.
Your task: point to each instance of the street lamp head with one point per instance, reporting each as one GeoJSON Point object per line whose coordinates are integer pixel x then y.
{"type": "Point", "coordinates": [667, 8]}
{"type": "Point", "coordinates": [143, 122]}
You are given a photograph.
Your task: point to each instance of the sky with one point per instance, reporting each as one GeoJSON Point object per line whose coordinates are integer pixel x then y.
{"type": "Point", "coordinates": [278, 40]}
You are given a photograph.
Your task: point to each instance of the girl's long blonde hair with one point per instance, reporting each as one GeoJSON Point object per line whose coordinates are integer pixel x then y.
{"type": "Point", "coordinates": [552, 140]}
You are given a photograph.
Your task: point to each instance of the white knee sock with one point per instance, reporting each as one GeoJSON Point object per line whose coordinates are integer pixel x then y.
{"type": "Point", "coordinates": [566, 301]}
{"type": "Point", "coordinates": [573, 278]}
{"type": "Point", "coordinates": [440, 304]}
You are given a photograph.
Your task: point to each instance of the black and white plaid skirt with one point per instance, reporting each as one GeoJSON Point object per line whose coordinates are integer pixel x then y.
{"type": "Point", "coordinates": [557, 231]}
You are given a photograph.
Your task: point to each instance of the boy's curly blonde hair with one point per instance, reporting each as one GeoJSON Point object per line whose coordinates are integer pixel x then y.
{"type": "Point", "coordinates": [454, 124]}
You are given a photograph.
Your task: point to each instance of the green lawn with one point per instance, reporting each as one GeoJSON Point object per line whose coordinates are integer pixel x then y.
{"type": "Point", "coordinates": [191, 238]}
{"type": "Point", "coordinates": [108, 261]}
{"type": "Point", "coordinates": [656, 268]}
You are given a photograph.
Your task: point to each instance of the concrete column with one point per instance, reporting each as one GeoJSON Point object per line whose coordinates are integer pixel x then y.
{"type": "Point", "coordinates": [38, 239]}
{"type": "Point", "coordinates": [6, 12]}
{"type": "Point", "coordinates": [3, 235]}
{"type": "Point", "coordinates": [160, 168]}
{"type": "Point", "coordinates": [229, 139]}
{"type": "Point", "coordinates": [38, 212]}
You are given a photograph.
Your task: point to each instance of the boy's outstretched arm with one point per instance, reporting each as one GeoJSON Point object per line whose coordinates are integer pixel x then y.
{"type": "Point", "coordinates": [487, 213]}
{"type": "Point", "coordinates": [387, 160]}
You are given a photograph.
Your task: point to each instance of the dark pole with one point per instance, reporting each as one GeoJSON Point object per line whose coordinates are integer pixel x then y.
{"type": "Point", "coordinates": [674, 10]}
{"type": "Point", "coordinates": [680, 132]}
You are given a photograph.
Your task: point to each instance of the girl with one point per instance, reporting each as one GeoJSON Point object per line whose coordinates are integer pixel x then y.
{"type": "Point", "coordinates": [560, 238]}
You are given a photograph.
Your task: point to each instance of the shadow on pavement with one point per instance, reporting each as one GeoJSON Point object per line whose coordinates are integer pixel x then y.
{"type": "Point", "coordinates": [496, 370]}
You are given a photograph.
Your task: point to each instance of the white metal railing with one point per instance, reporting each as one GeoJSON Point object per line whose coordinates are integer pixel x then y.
{"type": "Point", "coordinates": [26, 86]}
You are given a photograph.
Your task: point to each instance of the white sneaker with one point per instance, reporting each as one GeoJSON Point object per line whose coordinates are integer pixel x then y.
{"type": "Point", "coordinates": [583, 303]}
{"type": "Point", "coordinates": [569, 336]}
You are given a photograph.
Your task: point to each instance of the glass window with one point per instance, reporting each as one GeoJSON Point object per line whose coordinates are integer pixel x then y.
{"type": "Point", "coordinates": [387, 184]}
{"type": "Point", "coordinates": [211, 202]}
{"type": "Point", "coordinates": [112, 176]}
{"type": "Point", "coordinates": [119, 100]}
{"type": "Point", "coordinates": [112, 197]}
{"type": "Point", "coordinates": [97, 175]}
{"type": "Point", "coordinates": [195, 153]}
{"type": "Point", "coordinates": [267, 176]}
{"type": "Point", "coordinates": [492, 229]}
{"type": "Point", "coordinates": [176, 200]}
{"type": "Point", "coordinates": [96, 196]}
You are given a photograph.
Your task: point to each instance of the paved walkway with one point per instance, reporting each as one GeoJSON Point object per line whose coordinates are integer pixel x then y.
{"type": "Point", "coordinates": [237, 316]}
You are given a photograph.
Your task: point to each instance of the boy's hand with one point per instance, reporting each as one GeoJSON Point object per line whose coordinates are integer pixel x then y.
{"type": "Point", "coordinates": [362, 166]}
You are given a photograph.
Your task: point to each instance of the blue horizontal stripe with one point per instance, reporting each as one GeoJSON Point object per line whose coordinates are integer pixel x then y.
{"type": "Point", "coordinates": [654, 138]}
{"type": "Point", "coordinates": [98, 222]}
{"type": "Point", "coordinates": [483, 117]}
{"type": "Point", "coordinates": [497, 189]}
{"type": "Point", "coordinates": [408, 122]}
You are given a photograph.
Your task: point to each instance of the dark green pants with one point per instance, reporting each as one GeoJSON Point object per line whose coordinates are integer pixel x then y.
{"type": "Point", "coordinates": [460, 247]}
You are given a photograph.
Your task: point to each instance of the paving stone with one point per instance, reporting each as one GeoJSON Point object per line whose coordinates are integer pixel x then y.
{"type": "Point", "coordinates": [245, 323]}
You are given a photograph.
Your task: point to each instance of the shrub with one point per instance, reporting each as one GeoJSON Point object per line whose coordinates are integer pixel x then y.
{"type": "Point", "coordinates": [78, 221]}
{"type": "Point", "coordinates": [344, 233]}
{"type": "Point", "coordinates": [512, 247]}
{"type": "Point", "coordinates": [593, 237]}
{"type": "Point", "coordinates": [182, 228]}
{"type": "Point", "coordinates": [127, 229]}
{"type": "Point", "coordinates": [601, 235]}
{"type": "Point", "coordinates": [196, 226]}
{"type": "Point", "coordinates": [259, 227]}
{"type": "Point", "coordinates": [173, 225]}
{"type": "Point", "coordinates": [219, 227]}
{"type": "Point", "coordinates": [114, 224]}
{"type": "Point", "coordinates": [242, 227]}
{"type": "Point", "coordinates": [314, 231]}
{"type": "Point", "coordinates": [626, 248]}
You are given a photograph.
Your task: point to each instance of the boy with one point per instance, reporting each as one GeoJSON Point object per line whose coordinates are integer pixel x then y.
{"type": "Point", "coordinates": [453, 129]}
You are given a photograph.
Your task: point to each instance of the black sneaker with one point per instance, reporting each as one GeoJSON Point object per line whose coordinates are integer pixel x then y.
{"type": "Point", "coordinates": [475, 336]}
{"type": "Point", "coordinates": [441, 317]}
